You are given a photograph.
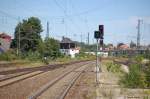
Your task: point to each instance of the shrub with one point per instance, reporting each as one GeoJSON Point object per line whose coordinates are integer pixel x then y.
{"type": "Point", "coordinates": [115, 68]}
{"type": "Point", "coordinates": [139, 58]}
{"type": "Point", "coordinates": [8, 56]}
{"type": "Point", "coordinates": [147, 72]}
{"type": "Point", "coordinates": [32, 56]}
{"type": "Point", "coordinates": [135, 78]}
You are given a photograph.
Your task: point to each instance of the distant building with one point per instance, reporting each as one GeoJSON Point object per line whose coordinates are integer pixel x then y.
{"type": "Point", "coordinates": [132, 45]}
{"type": "Point", "coordinates": [5, 41]}
{"type": "Point", "coordinates": [122, 46]}
{"type": "Point", "coordinates": [109, 47]}
{"type": "Point", "coordinates": [68, 47]}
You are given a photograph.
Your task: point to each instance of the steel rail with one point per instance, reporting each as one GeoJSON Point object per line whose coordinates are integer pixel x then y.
{"type": "Point", "coordinates": [71, 84]}
{"type": "Point", "coordinates": [51, 83]}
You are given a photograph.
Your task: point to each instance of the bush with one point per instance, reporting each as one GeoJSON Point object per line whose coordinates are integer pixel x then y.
{"type": "Point", "coordinates": [84, 56]}
{"type": "Point", "coordinates": [147, 72]}
{"type": "Point", "coordinates": [8, 56]}
{"type": "Point", "coordinates": [32, 56]}
{"type": "Point", "coordinates": [147, 54]}
{"type": "Point", "coordinates": [115, 68]}
{"type": "Point", "coordinates": [139, 59]}
{"type": "Point", "coordinates": [135, 78]}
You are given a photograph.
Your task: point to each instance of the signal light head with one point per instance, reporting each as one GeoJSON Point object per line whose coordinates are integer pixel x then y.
{"type": "Point", "coordinates": [97, 34]}
{"type": "Point", "coordinates": [101, 29]}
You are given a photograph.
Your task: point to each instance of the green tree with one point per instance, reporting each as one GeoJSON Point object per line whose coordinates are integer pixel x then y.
{"type": "Point", "coordinates": [52, 48]}
{"type": "Point", "coordinates": [29, 31]}
{"type": "Point", "coordinates": [41, 47]}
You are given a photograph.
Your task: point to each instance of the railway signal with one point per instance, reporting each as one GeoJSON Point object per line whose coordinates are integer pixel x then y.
{"type": "Point", "coordinates": [98, 35]}
{"type": "Point", "coordinates": [101, 29]}
{"type": "Point", "coordinates": [101, 42]}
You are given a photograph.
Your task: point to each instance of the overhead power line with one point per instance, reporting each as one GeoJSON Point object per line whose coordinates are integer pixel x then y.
{"type": "Point", "coordinates": [66, 15]}
{"type": "Point", "coordinates": [8, 15]}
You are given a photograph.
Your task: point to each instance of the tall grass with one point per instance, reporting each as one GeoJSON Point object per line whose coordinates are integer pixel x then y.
{"type": "Point", "coordinates": [112, 67]}
{"type": "Point", "coordinates": [8, 56]}
{"type": "Point", "coordinates": [135, 78]}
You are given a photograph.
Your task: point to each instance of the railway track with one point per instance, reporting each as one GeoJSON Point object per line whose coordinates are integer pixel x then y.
{"type": "Point", "coordinates": [6, 77]}
{"type": "Point", "coordinates": [23, 88]}
{"type": "Point", "coordinates": [58, 79]}
{"type": "Point", "coordinates": [21, 74]}
{"type": "Point", "coordinates": [44, 68]}
{"type": "Point", "coordinates": [66, 91]}
{"type": "Point", "coordinates": [12, 80]}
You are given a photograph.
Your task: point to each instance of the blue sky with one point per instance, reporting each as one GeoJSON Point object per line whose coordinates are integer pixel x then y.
{"type": "Point", "coordinates": [74, 18]}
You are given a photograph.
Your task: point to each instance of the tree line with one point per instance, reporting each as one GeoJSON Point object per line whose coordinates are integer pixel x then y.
{"type": "Point", "coordinates": [28, 34]}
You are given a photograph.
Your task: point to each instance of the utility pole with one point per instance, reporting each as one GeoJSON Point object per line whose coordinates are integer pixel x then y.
{"type": "Point", "coordinates": [47, 35]}
{"type": "Point", "coordinates": [81, 37]}
{"type": "Point", "coordinates": [93, 40]}
{"type": "Point", "coordinates": [138, 33]}
{"type": "Point", "coordinates": [18, 45]}
{"type": "Point", "coordinates": [19, 40]}
{"type": "Point", "coordinates": [88, 38]}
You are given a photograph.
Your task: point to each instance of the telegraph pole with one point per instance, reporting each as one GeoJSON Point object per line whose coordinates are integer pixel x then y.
{"type": "Point", "coordinates": [19, 41]}
{"type": "Point", "coordinates": [18, 45]}
{"type": "Point", "coordinates": [138, 33]}
{"type": "Point", "coordinates": [81, 37]}
{"type": "Point", "coordinates": [47, 35]}
{"type": "Point", "coordinates": [88, 38]}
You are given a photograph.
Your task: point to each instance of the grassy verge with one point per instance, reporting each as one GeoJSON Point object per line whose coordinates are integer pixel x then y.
{"type": "Point", "coordinates": [112, 67]}
{"type": "Point", "coordinates": [135, 78]}
{"type": "Point", "coordinates": [35, 63]}
{"type": "Point", "coordinates": [133, 83]}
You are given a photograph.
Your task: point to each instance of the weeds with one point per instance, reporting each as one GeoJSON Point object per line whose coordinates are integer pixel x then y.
{"type": "Point", "coordinates": [112, 67]}
{"type": "Point", "coordinates": [135, 78]}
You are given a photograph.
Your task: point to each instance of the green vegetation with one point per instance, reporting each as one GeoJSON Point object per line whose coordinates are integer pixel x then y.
{"type": "Point", "coordinates": [135, 78]}
{"type": "Point", "coordinates": [139, 72]}
{"type": "Point", "coordinates": [112, 67]}
{"type": "Point", "coordinates": [139, 59]}
{"type": "Point", "coordinates": [8, 56]}
{"type": "Point", "coordinates": [51, 48]}
{"type": "Point", "coordinates": [147, 54]}
{"type": "Point", "coordinates": [28, 32]}
{"type": "Point", "coordinates": [34, 49]}
{"type": "Point", "coordinates": [87, 48]}
{"type": "Point", "coordinates": [138, 76]}
{"type": "Point", "coordinates": [82, 56]}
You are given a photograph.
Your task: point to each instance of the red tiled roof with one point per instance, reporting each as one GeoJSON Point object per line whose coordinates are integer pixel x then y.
{"type": "Point", "coordinates": [124, 46]}
{"type": "Point", "coordinates": [5, 37]}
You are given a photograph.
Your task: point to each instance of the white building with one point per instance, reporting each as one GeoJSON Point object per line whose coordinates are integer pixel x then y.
{"type": "Point", "coordinates": [68, 47]}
